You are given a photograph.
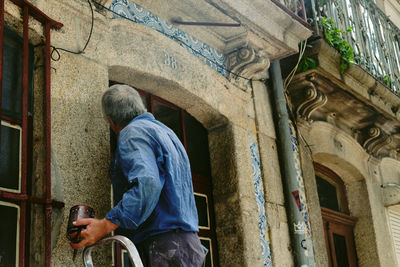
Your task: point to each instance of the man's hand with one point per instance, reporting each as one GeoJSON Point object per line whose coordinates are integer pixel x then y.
{"type": "Point", "coordinates": [95, 230]}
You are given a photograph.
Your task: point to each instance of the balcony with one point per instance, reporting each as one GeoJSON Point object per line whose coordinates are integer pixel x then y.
{"type": "Point", "coordinates": [374, 38]}
{"type": "Point", "coordinates": [363, 100]}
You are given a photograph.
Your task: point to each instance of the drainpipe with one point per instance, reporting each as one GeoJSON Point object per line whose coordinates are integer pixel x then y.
{"type": "Point", "coordinates": [301, 244]}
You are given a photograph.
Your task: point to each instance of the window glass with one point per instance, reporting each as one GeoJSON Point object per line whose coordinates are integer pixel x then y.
{"type": "Point", "coordinates": [10, 157]}
{"type": "Point", "coordinates": [202, 210]}
{"type": "Point", "coordinates": [9, 234]}
{"type": "Point", "coordinates": [341, 250]}
{"type": "Point", "coordinates": [12, 78]}
{"type": "Point", "coordinates": [327, 194]}
{"type": "Point", "coordinates": [197, 146]}
{"type": "Point", "coordinates": [206, 242]}
{"type": "Point", "coordinates": [126, 262]}
{"type": "Point", "coordinates": [11, 103]}
{"type": "Point", "coordinates": [169, 116]}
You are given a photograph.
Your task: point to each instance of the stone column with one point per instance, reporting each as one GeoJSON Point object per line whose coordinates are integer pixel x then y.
{"type": "Point", "coordinates": [236, 209]}
{"type": "Point", "coordinates": [274, 198]}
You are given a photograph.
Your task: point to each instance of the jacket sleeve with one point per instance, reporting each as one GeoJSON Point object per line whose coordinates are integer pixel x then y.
{"type": "Point", "coordinates": [138, 160]}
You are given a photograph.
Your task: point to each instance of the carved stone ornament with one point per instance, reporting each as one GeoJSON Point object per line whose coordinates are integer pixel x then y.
{"type": "Point", "coordinates": [313, 100]}
{"type": "Point", "coordinates": [376, 140]}
{"type": "Point", "coordinates": [306, 98]}
{"type": "Point", "coordinates": [247, 62]}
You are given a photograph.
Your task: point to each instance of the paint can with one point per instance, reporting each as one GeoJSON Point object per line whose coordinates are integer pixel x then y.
{"type": "Point", "coordinates": [76, 213]}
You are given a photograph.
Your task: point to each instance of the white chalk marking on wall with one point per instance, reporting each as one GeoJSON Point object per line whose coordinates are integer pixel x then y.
{"type": "Point", "coordinates": [170, 61]}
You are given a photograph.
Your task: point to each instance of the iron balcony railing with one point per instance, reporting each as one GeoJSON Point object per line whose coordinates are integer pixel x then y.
{"type": "Point", "coordinates": [295, 8]}
{"type": "Point", "coordinates": [374, 38]}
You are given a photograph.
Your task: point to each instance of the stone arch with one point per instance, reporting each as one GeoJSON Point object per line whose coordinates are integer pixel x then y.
{"type": "Point", "coordinates": [171, 91]}
{"type": "Point", "coordinates": [222, 135]}
{"type": "Point", "coordinates": [343, 155]}
{"type": "Point", "coordinates": [138, 59]}
{"type": "Point", "coordinates": [338, 151]}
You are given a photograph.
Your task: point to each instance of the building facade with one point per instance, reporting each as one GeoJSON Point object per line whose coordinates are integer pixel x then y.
{"type": "Point", "coordinates": [210, 71]}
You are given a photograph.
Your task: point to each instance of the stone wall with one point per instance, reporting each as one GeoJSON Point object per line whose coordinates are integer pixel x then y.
{"type": "Point", "coordinates": [361, 175]}
{"type": "Point", "coordinates": [132, 53]}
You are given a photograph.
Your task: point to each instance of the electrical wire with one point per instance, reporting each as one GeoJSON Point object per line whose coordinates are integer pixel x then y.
{"type": "Point", "coordinates": [57, 49]}
{"type": "Point", "coordinates": [288, 79]}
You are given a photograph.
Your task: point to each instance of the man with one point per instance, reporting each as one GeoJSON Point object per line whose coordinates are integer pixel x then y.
{"type": "Point", "coordinates": [152, 184]}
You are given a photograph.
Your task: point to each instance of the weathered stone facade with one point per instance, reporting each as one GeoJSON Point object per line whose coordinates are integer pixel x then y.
{"type": "Point", "coordinates": [233, 101]}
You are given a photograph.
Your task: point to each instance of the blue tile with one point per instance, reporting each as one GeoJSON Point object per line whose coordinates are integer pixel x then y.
{"type": "Point", "coordinates": [136, 13]}
{"type": "Point", "coordinates": [259, 194]}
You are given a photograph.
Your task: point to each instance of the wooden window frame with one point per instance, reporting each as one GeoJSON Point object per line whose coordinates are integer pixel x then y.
{"type": "Point", "coordinates": [337, 222]}
{"type": "Point", "coordinates": [342, 224]}
{"type": "Point", "coordinates": [334, 179]}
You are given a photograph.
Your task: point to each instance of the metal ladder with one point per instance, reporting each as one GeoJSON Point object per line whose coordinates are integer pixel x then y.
{"type": "Point", "coordinates": [125, 242]}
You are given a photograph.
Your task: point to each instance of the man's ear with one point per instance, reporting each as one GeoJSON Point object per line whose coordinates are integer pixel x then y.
{"type": "Point", "coordinates": [113, 125]}
{"type": "Point", "coordinates": [110, 121]}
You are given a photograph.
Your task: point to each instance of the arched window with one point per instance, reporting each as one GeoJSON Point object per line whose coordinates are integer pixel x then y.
{"type": "Point", "coordinates": [338, 224]}
{"type": "Point", "coordinates": [194, 137]}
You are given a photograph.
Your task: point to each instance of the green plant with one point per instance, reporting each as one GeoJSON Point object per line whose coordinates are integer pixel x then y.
{"type": "Point", "coordinates": [306, 63]}
{"type": "Point", "coordinates": [334, 37]}
{"type": "Point", "coordinates": [387, 80]}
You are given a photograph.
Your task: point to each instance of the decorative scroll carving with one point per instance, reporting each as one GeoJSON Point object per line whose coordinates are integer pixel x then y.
{"type": "Point", "coordinates": [247, 62]}
{"type": "Point", "coordinates": [376, 140]}
{"type": "Point", "coordinates": [306, 98]}
{"type": "Point", "coordinates": [313, 100]}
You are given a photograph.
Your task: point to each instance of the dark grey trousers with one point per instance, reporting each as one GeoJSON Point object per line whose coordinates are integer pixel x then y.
{"type": "Point", "coordinates": [172, 249]}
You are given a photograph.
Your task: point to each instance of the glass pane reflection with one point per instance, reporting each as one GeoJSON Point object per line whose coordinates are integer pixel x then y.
{"type": "Point", "coordinates": [9, 234]}
{"type": "Point", "coordinates": [12, 79]}
{"type": "Point", "coordinates": [169, 116]}
{"type": "Point", "coordinates": [10, 157]}
{"type": "Point", "coordinates": [126, 262]}
{"type": "Point", "coordinates": [341, 250]}
{"type": "Point", "coordinates": [206, 242]}
{"type": "Point", "coordinates": [327, 194]}
{"type": "Point", "coordinates": [202, 210]}
{"type": "Point", "coordinates": [197, 146]}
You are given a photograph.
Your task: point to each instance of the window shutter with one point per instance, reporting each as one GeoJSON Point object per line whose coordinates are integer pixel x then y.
{"type": "Point", "coordinates": [394, 218]}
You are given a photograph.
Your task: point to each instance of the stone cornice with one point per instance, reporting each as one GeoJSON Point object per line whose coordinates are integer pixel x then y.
{"type": "Point", "coordinates": [262, 22]}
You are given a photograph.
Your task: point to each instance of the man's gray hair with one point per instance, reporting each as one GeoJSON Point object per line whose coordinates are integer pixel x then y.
{"type": "Point", "coordinates": [121, 103]}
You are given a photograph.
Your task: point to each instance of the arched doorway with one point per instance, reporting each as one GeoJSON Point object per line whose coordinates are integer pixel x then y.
{"type": "Point", "coordinates": [194, 137]}
{"type": "Point", "coordinates": [338, 224]}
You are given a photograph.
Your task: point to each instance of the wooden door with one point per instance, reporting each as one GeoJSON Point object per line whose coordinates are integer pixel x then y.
{"type": "Point", "coordinates": [339, 238]}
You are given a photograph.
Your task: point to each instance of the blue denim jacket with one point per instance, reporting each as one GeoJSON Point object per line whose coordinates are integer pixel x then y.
{"type": "Point", "coordinates": [152, 183]}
